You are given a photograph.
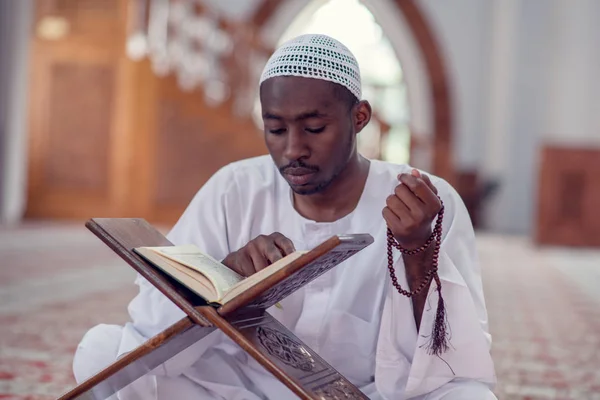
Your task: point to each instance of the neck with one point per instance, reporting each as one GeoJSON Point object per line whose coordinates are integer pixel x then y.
{"type": "Point", "coordinates": [340, 198]}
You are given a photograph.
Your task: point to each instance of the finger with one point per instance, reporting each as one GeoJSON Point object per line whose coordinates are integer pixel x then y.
{"type": "Point", "coordinates": [283, 243]}
{"type": "Point", "coordinates": [268, 249]}
{"type": "Point", "coordinates": [273, 252]}
{"type": "Point", "coordinates": [243, 264]}
{"type": "Point", "coordinates": [393, 222]}
{"type": "Point", "coordinates": [258, 259]}
{"type": "Point", "coordinates": [406, 196]}
{"type": "Point", "coordinates": [420, 189]}
{"type": "Point", "coordinates": [417, 174]}
{"type": "Point", "coordinates": [399, 208]}
{"type": "Point", "coordinates": [429, 184]}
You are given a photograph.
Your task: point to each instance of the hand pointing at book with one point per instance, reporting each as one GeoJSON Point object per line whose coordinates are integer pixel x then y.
{"type": "Point", "coordinates": [259, 253]}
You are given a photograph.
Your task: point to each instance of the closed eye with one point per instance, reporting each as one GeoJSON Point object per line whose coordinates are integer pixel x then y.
{"type": "Point", "coordinates": [277, 131]}
{"type": "Point", "coordinates": [317, 130]}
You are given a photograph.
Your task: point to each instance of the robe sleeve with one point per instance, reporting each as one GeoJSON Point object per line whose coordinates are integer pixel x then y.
{"type": "Point", "coordinates": [205, 224]}
{"type": "Point", "coordinates": [469, 355]}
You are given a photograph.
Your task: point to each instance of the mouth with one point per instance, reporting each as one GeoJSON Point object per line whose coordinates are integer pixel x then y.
{"type": "Point", "coordinates": [298, 176]}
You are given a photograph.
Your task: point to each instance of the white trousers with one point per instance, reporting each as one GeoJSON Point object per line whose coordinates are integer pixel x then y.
{"type": "Point", "coordinates": [99, 348]}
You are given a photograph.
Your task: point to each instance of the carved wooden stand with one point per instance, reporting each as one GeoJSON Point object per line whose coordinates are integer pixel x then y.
{"type": "Point", "coordinates": [244, 321]}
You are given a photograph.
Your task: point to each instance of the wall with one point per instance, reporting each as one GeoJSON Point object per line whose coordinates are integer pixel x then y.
{"type": "Point", "coordinates": [15, 20]}
{"type": "Point", "coordinates": [551, 62]}
{"type": "Point", "coordinates": [524, 75]}
{"type": "Point", "coordinates": [462, 29]}
{"type": "Point", "coordinates": [518, 82]}
{"type": "Point", "coordinates": [574, 88]}
{"type": "Point", "coordinates": [569, 169]}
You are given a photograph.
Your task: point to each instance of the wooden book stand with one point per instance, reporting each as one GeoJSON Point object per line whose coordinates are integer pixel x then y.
{"type": "Point", "coordinates": [244, 321]}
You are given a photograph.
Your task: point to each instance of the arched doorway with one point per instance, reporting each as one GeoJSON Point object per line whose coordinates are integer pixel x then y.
{"type": "Point", "coordinates": [423, 71]}
{"type": "Point", "coordinates": [387, 137]}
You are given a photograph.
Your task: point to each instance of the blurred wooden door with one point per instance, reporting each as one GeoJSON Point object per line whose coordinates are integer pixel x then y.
{"type": "Point", "coordinates": [78, 101]}
{"type": "Point", "coordinates": [108, 138]}
{"type": "Point", "coordinates": [569, 197]}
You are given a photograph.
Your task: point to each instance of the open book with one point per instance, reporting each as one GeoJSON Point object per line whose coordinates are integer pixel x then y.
{"type": "Point", "coordinates": [207, 277]}
{"type": "Point", "coordinates": [218, 284]}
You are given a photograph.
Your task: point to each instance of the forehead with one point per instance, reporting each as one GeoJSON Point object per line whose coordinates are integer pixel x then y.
{"type": "Point", "coordinates": [290, 94]}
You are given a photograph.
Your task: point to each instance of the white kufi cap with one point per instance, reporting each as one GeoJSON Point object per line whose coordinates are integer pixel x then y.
{"type": "Point", "coordinates": [318, 57]}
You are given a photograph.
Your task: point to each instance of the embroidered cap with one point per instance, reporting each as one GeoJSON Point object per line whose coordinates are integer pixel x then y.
{"type": "Point", "coordinates": [315, 56]}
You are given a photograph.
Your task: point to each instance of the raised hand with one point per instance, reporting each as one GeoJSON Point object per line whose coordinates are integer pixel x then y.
{"type": "Point", "coordinates": [410, 211]}
{"type": "Point", "coordinates": [259, 253]}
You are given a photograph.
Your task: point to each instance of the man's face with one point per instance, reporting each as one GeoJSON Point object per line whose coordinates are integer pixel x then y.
{"type": "Point", "coordinates": [309, 130]}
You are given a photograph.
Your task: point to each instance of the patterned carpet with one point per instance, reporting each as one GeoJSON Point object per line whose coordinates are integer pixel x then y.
{"type": "Point", "coordinates": [543, 305]}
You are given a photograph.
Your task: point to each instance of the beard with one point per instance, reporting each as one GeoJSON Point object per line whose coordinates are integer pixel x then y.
{"type": "Point", "coordinates": [348, 150]}
{"type": "Point", "coordinates": [321, 186]}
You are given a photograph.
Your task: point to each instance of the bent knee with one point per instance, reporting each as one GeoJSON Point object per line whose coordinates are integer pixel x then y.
{"type": "Point", "coordinates": [463, 390]}
{"type": "Point", "coordinates": [98, 349]}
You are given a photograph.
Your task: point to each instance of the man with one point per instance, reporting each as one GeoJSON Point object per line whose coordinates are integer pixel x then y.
{"type": "Point", "coordinates": [315, 185]}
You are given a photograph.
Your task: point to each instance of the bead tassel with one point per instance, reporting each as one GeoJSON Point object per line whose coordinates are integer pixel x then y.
{"type": "Point", "coordinates": [438, 342]}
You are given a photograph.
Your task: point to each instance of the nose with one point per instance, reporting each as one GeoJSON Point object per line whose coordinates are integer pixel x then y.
{"type": "Point", "coordinates": [297, 145]}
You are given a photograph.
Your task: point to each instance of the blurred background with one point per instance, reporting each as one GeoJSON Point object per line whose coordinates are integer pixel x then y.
{"type": "Point", "coordinates": [124, 108]}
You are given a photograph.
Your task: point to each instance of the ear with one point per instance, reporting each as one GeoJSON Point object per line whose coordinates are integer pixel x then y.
{"type": "Point", "coordinates": [361, 115]}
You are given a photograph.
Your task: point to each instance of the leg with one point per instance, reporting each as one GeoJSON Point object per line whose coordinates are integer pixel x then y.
{"type": "Point", "coordinates": [134, 368]}
{"type": "Point", "coordinates": [97, 349]}
{"type": "Point", "coordinates": [181, 388]}
{"type": "Point", "coordinates": [219, 373]}
{"type": "Point", "coordinates": [461, 389]}
{"type": "Point", "coordinates": [165, 388]}
{"type": "Point", "coordinates": [223, 372]}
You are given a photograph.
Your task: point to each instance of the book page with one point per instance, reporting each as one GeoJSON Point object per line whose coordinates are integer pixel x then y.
{"type": "Point", "coordinates": [188, 277]}
{"type": "Point", "coordinates": [261, 275]}
{"type": "Point", "coordinates": [191, 256]}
